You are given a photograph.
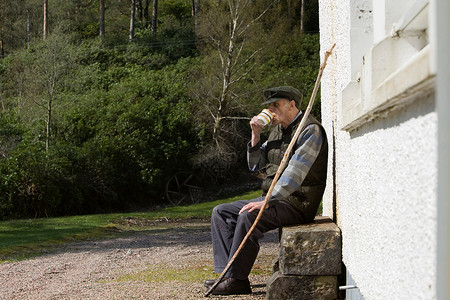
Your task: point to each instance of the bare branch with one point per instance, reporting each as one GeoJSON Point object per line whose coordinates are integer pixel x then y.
{"type": "Point", "coordinates": [244, 75]}
{"type": "Point", "coordinates": [239, 53]}
{"type": "Point", "coordinates": [236, 118]}
{"type": "Point", "coordinates": [212, 114]}
{"type": "Point", "coordinates": [248, 59]}
{"type": "Point", "coordinates": [256, 19]}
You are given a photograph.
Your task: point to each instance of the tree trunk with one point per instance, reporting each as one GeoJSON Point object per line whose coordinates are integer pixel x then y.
{"type": "Point", "coordinates": [302, 16]}
{"type": "Point", "coordinates": [1, 86]}
{"type": "Point", "coordinates": [2, 51]}
{"type": "Point", "coordinates": [227, 72]}
{"type": "Point", "coordinates": [146, 19]}
{"type": "Point", "coordinates": [49, 118]}
{"type": "Point", "coordinates": [139, 8]}
{"type": "Point", "coordinates": [195, 10]}
{"type": "Point", "coordinates": [133, 12]}
{"type": "Point", "coordinates": [28, 29]}
{"type": "Point", "coordinates": [195, 7]}
{"type": "Point", "coordinates": [102, 19]}
{"type": "Point", "coordinates": [44, 34]}
{"type": "Point", "coordinates": [154, 17]}
{"type": "Point", "coordinates": [1, 99]}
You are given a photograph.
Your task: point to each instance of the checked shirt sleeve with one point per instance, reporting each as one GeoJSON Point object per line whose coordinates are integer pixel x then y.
{"type": "Point", "coordinates": [256, 156]}
{"type": "Point", "coordinates": [307, 149]}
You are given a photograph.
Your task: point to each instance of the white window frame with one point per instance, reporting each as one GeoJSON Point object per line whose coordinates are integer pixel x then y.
{"type": "Point", "coordinates": [396, 64]}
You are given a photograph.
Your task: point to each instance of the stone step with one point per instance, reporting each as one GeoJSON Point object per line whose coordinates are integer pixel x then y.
{"type": "Point", "coordinates": [311, 249]}
{"type": "Point", "coordinates": [293, 287]}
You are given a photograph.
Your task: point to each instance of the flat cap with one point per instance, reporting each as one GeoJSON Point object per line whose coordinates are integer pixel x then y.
{"type": "Point", "coordinates": [282, 92]}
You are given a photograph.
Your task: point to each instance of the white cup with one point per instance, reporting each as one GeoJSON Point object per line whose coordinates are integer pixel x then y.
{"type": "Point", "coordinates": [265, 117]}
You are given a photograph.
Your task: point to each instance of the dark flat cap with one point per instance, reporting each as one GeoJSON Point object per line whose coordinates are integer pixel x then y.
{"type": "Point", "coordinates": [282, 92]}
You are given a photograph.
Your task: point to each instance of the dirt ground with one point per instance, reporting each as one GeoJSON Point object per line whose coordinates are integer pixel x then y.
{"type": "Point", "coordinates": [161, 262]}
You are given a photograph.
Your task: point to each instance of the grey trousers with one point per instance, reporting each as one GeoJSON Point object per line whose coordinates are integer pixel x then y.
{"type": "Point", "coordinates": [228, 229]}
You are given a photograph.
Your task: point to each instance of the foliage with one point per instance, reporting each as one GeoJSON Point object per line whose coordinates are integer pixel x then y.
{"type": "Point", "coordinates": [112, 149]}
{"type": "Point", "coordinates": [292, 63]}
{"type": "Point", "coordinates": [91, 124]}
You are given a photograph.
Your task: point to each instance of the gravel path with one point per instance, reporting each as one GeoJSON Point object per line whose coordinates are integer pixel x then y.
{"type": "Point", "coordinates": [160, 262]}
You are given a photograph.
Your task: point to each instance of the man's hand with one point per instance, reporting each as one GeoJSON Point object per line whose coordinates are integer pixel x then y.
{"type": "Point", "coordinates": [252, 206]}
{"type": "Point", "coordinates": [256, 130]}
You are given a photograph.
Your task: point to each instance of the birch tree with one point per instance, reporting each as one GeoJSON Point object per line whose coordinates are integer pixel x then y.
{"type": "Point", "coordinates": [230, 35]}
{"type": "Point", "coordinates": [45, 30]}
{"type": "Point", "coordinates": [46, 77]}
{"type": "Point", "coordinates": [132, 20]}
{"type": "Point", "coordinates": [154, 17]}
{"type": "Point", "coordinates": [102, 19]}
{"type": "Point", "coordinates": [195, 10]}
{"type": "Point", "coordinates": [302, 16]}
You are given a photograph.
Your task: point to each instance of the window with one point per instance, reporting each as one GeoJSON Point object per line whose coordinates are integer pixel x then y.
{"type": "Point", "coordinates": [390, 58]}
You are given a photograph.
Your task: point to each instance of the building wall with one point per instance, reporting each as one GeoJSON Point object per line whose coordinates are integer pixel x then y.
{"type": "Point", "coordinates": [383, 136]}
{"type": "Point", "coordinates": [441, 40]}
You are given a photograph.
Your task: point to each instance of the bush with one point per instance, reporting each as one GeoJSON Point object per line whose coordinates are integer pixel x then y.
{"type": "Point", "coordinates": [33, 182]}
{"type": "Point", "coordinates": [111, 150]}
{"type": "Point", "coordinates": [134, 136]}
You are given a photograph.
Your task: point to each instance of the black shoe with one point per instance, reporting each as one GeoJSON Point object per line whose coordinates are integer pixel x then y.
{"type": "Point", "coordinates": [210, 282]}
{"type": "Point", "coordinates": [232, 286]}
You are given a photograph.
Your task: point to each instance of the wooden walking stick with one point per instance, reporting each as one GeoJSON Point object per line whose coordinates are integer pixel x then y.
{"type": "Point", "coordinates": [279, 171]}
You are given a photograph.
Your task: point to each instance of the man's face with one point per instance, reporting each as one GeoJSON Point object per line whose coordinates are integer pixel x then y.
{"type": "Point", "coordinates": [280, 110]}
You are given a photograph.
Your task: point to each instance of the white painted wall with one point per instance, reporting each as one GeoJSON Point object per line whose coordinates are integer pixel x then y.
{"type": "Point", "coordinates": [385, 186]}
{"type": "Point", "coordinates": [441, 13]}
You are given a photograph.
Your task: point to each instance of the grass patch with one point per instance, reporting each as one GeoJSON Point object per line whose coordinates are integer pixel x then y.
{"type": "Point", "coordinates": [21, 239]}
{"type": "Point", "coordinates": [165, 273]}
{"type": "Point", "coordinates": [199, 210]}
{"type": "Point", "coordinates": [195, 271]}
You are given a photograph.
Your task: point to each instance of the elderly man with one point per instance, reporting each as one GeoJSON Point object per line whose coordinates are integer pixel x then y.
{"type": "Point", "coordinates": [295, 197]}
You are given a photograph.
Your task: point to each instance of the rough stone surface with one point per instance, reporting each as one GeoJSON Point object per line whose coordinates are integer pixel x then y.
{"type": "Point", "coordinates": [311, 249]}
{"type": "Point", "coordinates": [283, 287]}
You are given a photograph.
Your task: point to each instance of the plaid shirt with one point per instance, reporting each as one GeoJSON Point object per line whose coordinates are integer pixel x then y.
{"type": "Point", "coordinates": [307, 149]}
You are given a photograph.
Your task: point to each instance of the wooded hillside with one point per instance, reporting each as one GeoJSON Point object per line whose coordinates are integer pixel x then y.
{"type": "Point", "coordinates": [102, 102]}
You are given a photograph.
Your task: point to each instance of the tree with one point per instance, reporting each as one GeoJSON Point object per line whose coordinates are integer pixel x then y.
{"type": "Point", "coordinates": [45, 30]}
{"type": "Point", "coordinates": [132, 20]}
{"type": "Point", "coordinates": [142, 11]}
{"type": "Point", "coordinates": [28, 29]}
{"type": "Point", "coordinates": [302, 16]}
{"type": "Point", "coordinates": [12, 25]}
{"type": "Point", "coordinates": [145, 13]}
{"type": "Point", "coordinates": [195, 10]}
{"type": "Point", "coordinates": [154, 17]}
{"type": "Point", "coordinates": [13, 81]}
{"type": "Point", "coordinates": [230, 32]}
{"type": "Point", "coordinates": [139, 9]}
{"type": "Point", "coordinates": [2, 82]}
{"type": "Point", "coordinates": [102, 18]}
{"type": "Point", "coordinates": [47, 75]}
{"type": "Point", "coordinates": [2, 21]}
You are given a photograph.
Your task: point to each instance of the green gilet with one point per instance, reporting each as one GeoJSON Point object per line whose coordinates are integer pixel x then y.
{"type": "Point", "coordinates": [307, 199]}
